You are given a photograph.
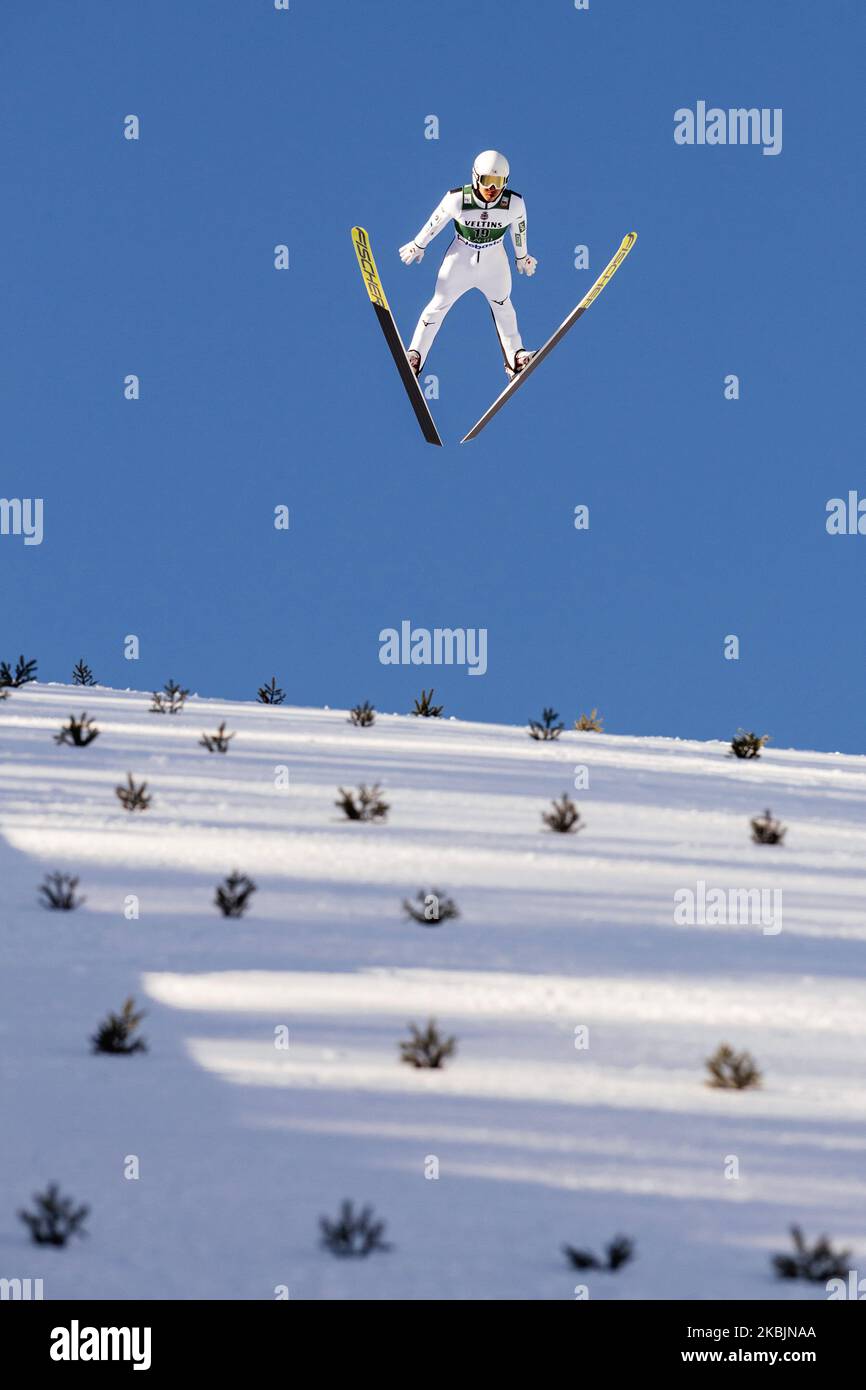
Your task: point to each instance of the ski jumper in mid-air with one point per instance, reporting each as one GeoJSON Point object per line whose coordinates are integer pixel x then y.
{"type": "Point", "coordinates": [481, 213]}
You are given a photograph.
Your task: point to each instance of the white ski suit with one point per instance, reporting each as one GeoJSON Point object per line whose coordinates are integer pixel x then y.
{"type": "Point", "coordinates": [476, 259]}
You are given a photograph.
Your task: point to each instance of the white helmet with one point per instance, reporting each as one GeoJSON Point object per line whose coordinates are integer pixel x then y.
{"type": "Point", "coordinates": [490, 170]}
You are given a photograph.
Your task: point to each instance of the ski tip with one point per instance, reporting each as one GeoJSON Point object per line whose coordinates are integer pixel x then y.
{"type": "Point", "coordinates": [364, 252]}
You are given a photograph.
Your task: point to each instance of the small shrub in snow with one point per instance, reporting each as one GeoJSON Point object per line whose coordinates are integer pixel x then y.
{"type": "Point", "coordinates": [25, 671]}
{"type": "Point", "coordinates": [169, 700]}
{"type": "Point", "coordinates": [82, 674]}
{"type": "Point", "coordinates": [362, 716]}
{"type": "Point", "coordinates": [218, 742]}
{"type": "Point", "coordinates": [547, 729]}
{"type": "Point", "coordinates": [232, 896]}
{"type": "Point", "coordinates": [78, 732]}
{"type": "Point", "coordinates": [591, 723]}
{"type": "Point", "coordinates": [353, 1233]}
{"type": "Point", "coordinates": [134, 796]}
{"type": "Point", "coordinates": [271, 694]}
{"type": "Point", "coordinates": [58, 893]}
{"type": "Point", "coordinates": [767, 831]}
{"type": "Point", "coordinates": [365, 804]}
{"type": "Point", "coordinates": [55, 1219]}
{"type": "Point", "coordinates": [433, 907]}
{"type": "Point", "coordinates": [427, 1049]}
{"type": "Point", "coordinates": [4, 694]}
{"type": "Point", "coordinates": [816, 1263]}
{"type": "Point", "coordinates": [564, 817]}
{"type": "Point", "coordinates": [116, 1034]}
{"type": "Point", "coordinates": [732, 1071]}
{"type": "Point", "coordinates": [618, 1252]}
{"type": "Point", "coordinates": [748, 745]}
{"type": "Point", "coordinates": [424, 706]}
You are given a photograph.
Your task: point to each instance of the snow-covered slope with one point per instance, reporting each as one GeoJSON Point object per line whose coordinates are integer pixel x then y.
{"type": "Point", "coordinates": [243, 1145]}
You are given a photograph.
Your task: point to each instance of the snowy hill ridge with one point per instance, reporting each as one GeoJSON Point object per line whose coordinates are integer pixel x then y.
{"type": "Point", "coordinates": [586, 980]}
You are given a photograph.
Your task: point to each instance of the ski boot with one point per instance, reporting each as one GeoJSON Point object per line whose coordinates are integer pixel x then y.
{"type": "Point", "coordinates": [414, 360]}
{"type": "Point", "coordinates": [522, 358]}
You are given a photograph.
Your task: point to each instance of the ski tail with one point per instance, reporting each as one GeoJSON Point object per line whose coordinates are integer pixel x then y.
{"type": "Point", "coordinates": [592, 294]}
{"type": "Point", "coordinates": [367, 263]}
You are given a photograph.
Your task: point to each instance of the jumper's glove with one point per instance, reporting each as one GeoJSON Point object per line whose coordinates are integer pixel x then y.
{"type": "Point", "coordinates": [526, 265]}
{"type": "Point", "coordinates": [411, 252]}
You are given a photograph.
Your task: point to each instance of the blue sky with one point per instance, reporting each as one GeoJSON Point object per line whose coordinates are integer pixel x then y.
{"type": "Point", "coordinates": [261, 388]}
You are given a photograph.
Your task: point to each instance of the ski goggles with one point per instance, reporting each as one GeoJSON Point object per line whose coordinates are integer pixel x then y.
{"type": "Point", "coordinates": [491, 180]}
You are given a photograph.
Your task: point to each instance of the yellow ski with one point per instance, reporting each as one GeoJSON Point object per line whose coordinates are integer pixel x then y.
{"type": "Point", "coordinates": [607, 274]}
{"type": "Point", "coordinates": [364, 252]}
